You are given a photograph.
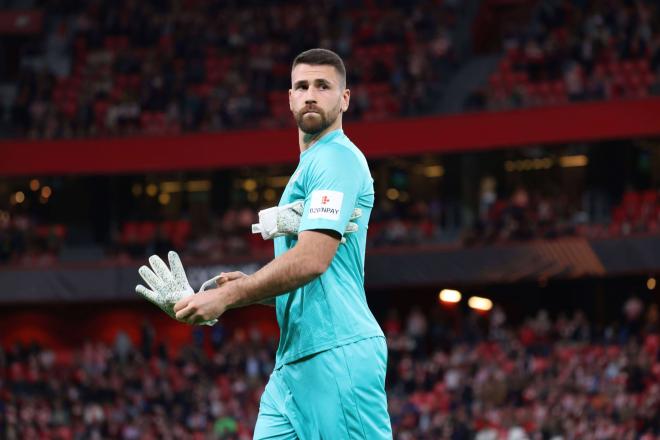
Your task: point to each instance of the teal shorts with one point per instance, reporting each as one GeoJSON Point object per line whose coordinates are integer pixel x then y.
{"type": "Point", "coordinates": [332, 395]}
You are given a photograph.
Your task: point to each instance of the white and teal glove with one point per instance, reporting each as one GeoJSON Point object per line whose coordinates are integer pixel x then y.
{"type": "Point", "coordinates": [284, 220]}
{"type": "Point", "coordinates": [168, 285]}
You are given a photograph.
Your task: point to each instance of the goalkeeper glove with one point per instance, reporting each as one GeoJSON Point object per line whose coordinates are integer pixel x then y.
{"type": "Point", "coordinates": [284, 220]}
{"type": "Point", "coordinates": [168, 285]}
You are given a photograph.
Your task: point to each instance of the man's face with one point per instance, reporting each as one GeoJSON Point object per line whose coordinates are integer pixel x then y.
{"type": "Point", "coordinates": [316, 97]}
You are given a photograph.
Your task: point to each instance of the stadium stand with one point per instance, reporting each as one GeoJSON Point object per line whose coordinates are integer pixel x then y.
{"type": "Point", "coordinates": [485, 379]}
{"type": "Point", "coordinates": [577, 51]}
{"type": "Point", "coordinates": [525, 215]}
{"type": "Point", "coordinates": [153, 67]}
{"type": "Point", "coordinates": [123, 68]}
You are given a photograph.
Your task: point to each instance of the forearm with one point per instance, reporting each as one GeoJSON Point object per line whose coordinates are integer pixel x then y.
{"type": "Point", "coordinates": [311, 256]}
{"type": "Point", "coordinates": [285, 273]}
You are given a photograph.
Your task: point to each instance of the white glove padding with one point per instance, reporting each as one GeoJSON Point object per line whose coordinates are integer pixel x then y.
{"type": "Point", "coordinates": [168, 285]}
{"type": "Point", "coordinates": [285, 220]}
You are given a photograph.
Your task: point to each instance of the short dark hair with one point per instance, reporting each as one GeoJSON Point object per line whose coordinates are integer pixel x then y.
{"type": "Point", "coordinates": [322, 57]}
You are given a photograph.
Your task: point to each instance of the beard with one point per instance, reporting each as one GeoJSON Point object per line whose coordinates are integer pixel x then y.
{"type": "Point", "coordinates": [315, 123]}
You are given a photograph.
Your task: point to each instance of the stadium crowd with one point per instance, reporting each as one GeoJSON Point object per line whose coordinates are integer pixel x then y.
{"type": "Point", "coordinates": [120, 68]}
{"type": "Point", "coordinates": [577, 51]}
{"type": "Point", "coordinates": [473, 377]}
{"type": "Point", "coordinates": [523, 215]}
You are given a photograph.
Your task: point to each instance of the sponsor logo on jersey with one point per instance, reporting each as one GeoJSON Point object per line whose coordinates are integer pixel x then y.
{"type": "Point", "coordinates": [325, 204]}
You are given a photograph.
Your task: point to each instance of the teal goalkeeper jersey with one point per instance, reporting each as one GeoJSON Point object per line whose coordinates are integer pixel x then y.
{"type": "Point", "coordinates": [333, 178]}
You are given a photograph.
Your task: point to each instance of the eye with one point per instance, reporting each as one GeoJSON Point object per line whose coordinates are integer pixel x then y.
{"type": "Point", "coordinates": [324, 87]}
{"type": "Point", "coordinates": [301, 87]}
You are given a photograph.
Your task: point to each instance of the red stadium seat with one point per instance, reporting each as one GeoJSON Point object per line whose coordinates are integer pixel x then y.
{"type": "Point", "coordinates": [60, 231]}
{"type": "Point", "coordinates": [634, 81]}
{"type": "Point", "coordinates": [182, 231]}
{"type": "Point", "coordinates": [69, 107]}
{"type": "Point", "coordinates": [628, 67]}
{"type": "Point", "coordinates": [618, 214]}
{"type": "Point", "coordinates": [495, 79]}
{"type": "Point", "coordinates": [615, 229]}
{"type": "Point", "coordinates": [631, 199]}
{"type": "Point", "coordinates": [650, 197]}
{"type": "Point", "coordinates": [614, 68]}
{"type": "Point", "coordinates": [375, 89]}
{"type": "Point", "coordinates": [521, 77]}
{"type": "Point", "coordinates": [648, 79]}
{"type": "Point", "coordinates": [129, 232]}
{"type": "Point", "coordinates": [169, 227]}
{"type": "Point", "coordinates": [559, 89]}
{"type": "Point", "coordinates": [146, 231]}
{"type": "Point", "coordinates": [505, 66]}
{"type": "Point", "coordinates": [100, 111]}
{"type": "Point", "coordinates": [116, 43]}
{"type": "Point", "coordinates": [509, 80]}
{"type": "Point", "coordinates": [202, 90]}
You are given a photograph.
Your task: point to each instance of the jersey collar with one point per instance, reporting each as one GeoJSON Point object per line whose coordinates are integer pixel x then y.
{"type": "Point", "coordinates": [325, 139]}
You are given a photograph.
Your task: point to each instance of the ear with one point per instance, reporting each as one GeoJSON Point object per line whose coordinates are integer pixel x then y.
{"type": "Point", "coordinates": [290, 103]}
{"type": "Point", "coordinates": [345, 99]}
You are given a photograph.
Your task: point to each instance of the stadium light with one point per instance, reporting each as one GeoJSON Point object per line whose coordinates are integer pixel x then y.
{"type": "Point", "coordinates": [205, 185]}
{"type": "Point", "coordinates": [529, 164]}
{"type": "Point", "coordinates": [136, 189]}
{"type": "Point", "coordinates": [434, 171]}
{"type": "Point", "coordinates": [249, 185]}
{"type": "Point", "coordinates": [270, 195]}
{"type": "Point", "coordinates": [479, 303]}
{"type": "Point", "coordinates": [579, 160]}
{"type": "Point", "coordinates": [170, 187]}
{"type": "Point", "coordinates": [19, 197]}
{"type": "Point", "coordinates": [392, 193]}
{"type": "Point", "coordinates": [34, 184]}
{"type": "Point", "coordinates": [152, 190]}
{"type": "Point", "coordinates": [449, 296]}
{"type": "Point", "coordinates": [46, 192]}
{"type": "Point", "coordinates": [650, 283]}
{"type": "Point", "coordinates": [277, 181]}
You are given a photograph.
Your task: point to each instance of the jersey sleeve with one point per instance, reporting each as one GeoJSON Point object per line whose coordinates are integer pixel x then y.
{"type": "Point", "coordinates": [332, 185]}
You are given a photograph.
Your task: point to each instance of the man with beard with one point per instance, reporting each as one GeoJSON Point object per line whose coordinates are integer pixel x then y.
{"type": "Point", "coordinates": [329, 376]}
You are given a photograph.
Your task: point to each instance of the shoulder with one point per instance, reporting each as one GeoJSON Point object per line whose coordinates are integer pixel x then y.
{"type": "Point", "coordinates": [339, 153]}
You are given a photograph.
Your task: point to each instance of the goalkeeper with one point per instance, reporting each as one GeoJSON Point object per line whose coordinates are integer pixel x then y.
{"type": "Point", "coordinates": [329, 376]}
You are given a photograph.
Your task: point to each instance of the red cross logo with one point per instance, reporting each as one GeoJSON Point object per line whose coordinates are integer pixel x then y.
{"type": "Point", "coordinates": [325, 200]}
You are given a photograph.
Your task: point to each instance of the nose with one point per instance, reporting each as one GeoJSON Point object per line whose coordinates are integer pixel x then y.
{"type": "Point", "coordinates": [310, 96]}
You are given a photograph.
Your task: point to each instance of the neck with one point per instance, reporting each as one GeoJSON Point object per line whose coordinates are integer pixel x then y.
{"type": "Point", "coordinates": [306, 140]}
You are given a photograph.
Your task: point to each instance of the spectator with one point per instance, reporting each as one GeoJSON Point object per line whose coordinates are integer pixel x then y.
{"type": "Point", "coordinates": [489, 387]}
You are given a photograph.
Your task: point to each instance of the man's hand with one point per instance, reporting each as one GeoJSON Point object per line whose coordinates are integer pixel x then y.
{"type": "Point", "coordinates": [228, 276]}
{"type": "Point", "coordinates": [202, 307]}
{"type": "Point", "coordinates": [225, 277]}
{"type": "Point", "coordinates": [167, 285]}
{"type": "Point", "coordinates": [209, 302]}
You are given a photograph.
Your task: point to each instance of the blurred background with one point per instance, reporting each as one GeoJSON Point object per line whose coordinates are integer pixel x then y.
{"type": "Point", "coordinates": [512, 252]}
